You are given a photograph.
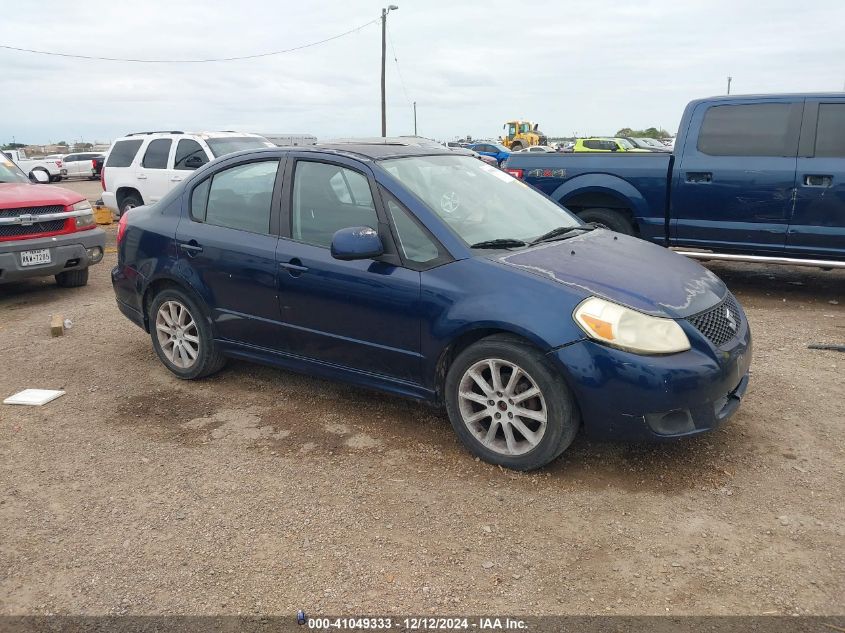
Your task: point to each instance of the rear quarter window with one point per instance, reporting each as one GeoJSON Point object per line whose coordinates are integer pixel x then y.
{"type": "Point", "coordinates": [123, 153]}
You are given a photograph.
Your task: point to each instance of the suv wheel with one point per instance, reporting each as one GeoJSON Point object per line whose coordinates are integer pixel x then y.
{"type": "Point", "coordinates": [182, 336]}
{"type": "Point", "coordinates": [509, 405]}
{"type": "Point", "coordinates": [130, 202]}
{"type": "Point", "coordinates": [72, 278]}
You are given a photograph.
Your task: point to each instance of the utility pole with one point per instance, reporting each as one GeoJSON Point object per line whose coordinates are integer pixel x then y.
{"type": "Point", "coordinates": [415, 118]}
{"type": "Point", "coordinates": [384, 13]}
{"type": "Point", "coordinates": [729, 84]}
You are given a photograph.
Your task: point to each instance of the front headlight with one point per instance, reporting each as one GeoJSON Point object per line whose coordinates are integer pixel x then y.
{"type": "Point", "coordinates": [86, 220]}
{"type": "Point", "coordinates": [628, 329]}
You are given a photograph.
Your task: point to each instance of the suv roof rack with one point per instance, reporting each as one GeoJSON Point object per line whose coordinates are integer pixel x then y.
{"type": "Point", "coordinates": [156, 132]}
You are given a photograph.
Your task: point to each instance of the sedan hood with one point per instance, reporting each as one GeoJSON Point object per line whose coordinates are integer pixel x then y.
{"type": "Point", "coordinates": [624, 269]}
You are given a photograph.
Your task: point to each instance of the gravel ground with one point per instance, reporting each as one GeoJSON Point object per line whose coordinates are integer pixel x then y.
{"type": "Point", "coordinates": [262, 491]}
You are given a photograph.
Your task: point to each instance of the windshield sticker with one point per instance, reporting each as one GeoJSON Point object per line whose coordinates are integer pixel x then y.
{"type": "Point", "coordinates": [498, 173]}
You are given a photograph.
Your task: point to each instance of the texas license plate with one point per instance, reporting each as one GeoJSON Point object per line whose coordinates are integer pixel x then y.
{"type": "Point", "coordinates": [32, 258]}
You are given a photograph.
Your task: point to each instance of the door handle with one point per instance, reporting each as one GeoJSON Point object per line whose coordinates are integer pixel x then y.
{"type": "Point", "coordinates": [699, 176]}
{"type": "Point", "coordinates": [191, 248]}
{"type": "Point", "coordinates": [294, 267]}
{"type": "Point", "coordinates": [141, 177]}
{"type": "Point", "coordinates": [818, 180]}
{"type": "Point", "coordinates": [176, 179]}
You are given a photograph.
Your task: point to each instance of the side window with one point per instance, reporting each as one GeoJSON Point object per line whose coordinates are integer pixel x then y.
{"type": "Point", "coordinates": [760, 129]}
{"type": "Point", "coordinates": [156, 155]}
{"type": "Point", "coordinates": [591, 144]}
{"type": "Point", "coordinates": [123, 153]}
{"type": "Point", "coordinates": [415, 244]}
{"type": "Point", "coordinates": [238, 198]}
{"type": "Point", "coordinates": [511, 129]}
{"type": "Point", "coordinates": [189, 155]}
{"type": "Point", "coordinates": [199, 200]}
{"type": "Point", "coordinates": [327, 198]}
{"type": "Point", "coordinates": [70, 158]}
{"type": "Point", "coordinates": [830, 131]}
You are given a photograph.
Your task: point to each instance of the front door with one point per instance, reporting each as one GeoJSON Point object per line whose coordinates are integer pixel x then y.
{"type": "Point", "coordinates": [733, 188]}
{"type": "Point", "coordinates": [817, 228]}
{"type": "Point", "coordinates": [361, 315]}
{"type": "Point", "coordinates": [227, 251]}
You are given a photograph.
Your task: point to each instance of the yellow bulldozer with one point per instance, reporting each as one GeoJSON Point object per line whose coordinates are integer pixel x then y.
{"type": "Point", "coordinates": [521, 134]}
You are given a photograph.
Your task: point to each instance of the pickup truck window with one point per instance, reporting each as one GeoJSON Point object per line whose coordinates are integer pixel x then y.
{"type": "Point", "coordinates": [830, 132]}
{"type": "Point", "coordinates": [123, 153]}
{"type": "Point", "coordinates": [156, 155]}
{"type": "Point", "coordinates": [759, 129]}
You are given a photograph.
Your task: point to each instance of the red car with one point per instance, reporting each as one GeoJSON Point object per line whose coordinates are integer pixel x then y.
{"type": "Point", "coordinates": [45, 230]}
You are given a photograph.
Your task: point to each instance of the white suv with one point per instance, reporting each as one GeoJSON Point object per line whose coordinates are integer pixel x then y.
{"type": "Point", "coordinates": [141, 168]}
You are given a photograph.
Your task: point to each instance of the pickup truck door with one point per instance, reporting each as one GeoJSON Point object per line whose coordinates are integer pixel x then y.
{"type": "Point", "coordinates": [734, 181]}
{"type": "Point", "coordinates": [817, 227]}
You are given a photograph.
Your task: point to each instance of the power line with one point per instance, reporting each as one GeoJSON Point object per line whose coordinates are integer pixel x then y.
{"type": "Point", "coordinates": [192, 61]}
{"type": "Point", "coordinates": [398, 69]}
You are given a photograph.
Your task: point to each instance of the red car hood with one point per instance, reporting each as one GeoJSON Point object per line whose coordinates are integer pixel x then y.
{"type": "Point", "coordinates": [14, 195]}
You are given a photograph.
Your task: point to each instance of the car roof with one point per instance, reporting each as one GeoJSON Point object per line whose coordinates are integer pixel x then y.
{"type": "Point", "coordinates": [204, 135]}
{"type": "Point", "coordinates": [378, 148]}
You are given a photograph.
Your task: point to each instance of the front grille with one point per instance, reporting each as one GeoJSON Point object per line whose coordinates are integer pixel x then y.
{"type": "Point", "coordinates": [716, 324]}
{"type": "Point", "coordinates": [13, 213]}
{"type": "Point", "coordinates": [15, 230]}
{"type": "Point", "coordinates": [18, 230]}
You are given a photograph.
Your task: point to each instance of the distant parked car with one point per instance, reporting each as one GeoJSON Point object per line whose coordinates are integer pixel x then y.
{"type": "Point", "coordinates": [429, 275]}
{"type": "Point", "coordinates": [648, 144]}
{"type": "Point", "coordinates": [537, 148]}
{"type": "Point", "coordinates": [605, 144]}
{"type": "Point", "coordinates": [97, 166]}
{"type": "Point", "coordinates": [494, 150]}
{"type": "Point", "coordinates": [79, 165]}
{"type": "Point", "coordinates": [53, 168]}
{"type": "Point", "coordinates": [141, 168]}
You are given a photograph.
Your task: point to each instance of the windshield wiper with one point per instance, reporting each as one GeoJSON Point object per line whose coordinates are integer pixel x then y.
{"type": "Point", "coordinates": [505, 242]}
{"type": "Point", "coordinates": [562, 231]}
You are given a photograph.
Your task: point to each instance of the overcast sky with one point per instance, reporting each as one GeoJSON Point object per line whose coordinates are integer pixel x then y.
{"type": "Point", "coordinates": [585, 66]}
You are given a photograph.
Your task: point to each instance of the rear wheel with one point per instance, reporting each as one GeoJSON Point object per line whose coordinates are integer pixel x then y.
{"type": "Point", "coordinates": [515, 147]}
{"type": "Point", "coordinates": [611, 218]}
{"type": "Point", "coordinates": [509, 405]}
{"type": "Point", "coordinates": [72, 278]}
{"type": "Point", "coordinates": [57, 178]}
{"type": "Point", "coordinates": [130, 202]}
{"type": "Point", "coordinates": [43, 171]}
{"type": "Point", "coordinates": [182, 336]}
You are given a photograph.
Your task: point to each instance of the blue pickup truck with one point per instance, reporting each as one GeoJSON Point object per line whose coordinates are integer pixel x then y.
{"type": "Point", "coordinates": [752, 178]}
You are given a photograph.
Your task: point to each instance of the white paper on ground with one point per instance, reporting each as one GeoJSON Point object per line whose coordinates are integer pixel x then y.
{"type": "Point", "coordinates": [34, 397]}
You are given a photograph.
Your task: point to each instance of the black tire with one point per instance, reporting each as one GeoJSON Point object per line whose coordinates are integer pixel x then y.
{"type": "Point", "coordinates": [130, 202]}
{"type": "Point", "coordinates": [611, 218]}
{"type": "Point", "coordinates": [209, 358]}
{"type": "Point", "coordinates": [515, 147]}
{"type": "Point", "coordinates": [56, 178]}
{"type": "Point", "coordinates": [72, 278]}
{"type": "Point", "coordinates": [562, 418]}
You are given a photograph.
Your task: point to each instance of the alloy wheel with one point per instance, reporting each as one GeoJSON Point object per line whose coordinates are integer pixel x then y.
{"type": "Point", "coordinates": [502, 406]}
{"type": "Point", "coordinates": [177, 334]}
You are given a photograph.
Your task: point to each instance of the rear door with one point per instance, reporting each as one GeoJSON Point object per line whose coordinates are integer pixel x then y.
{"type": "Point", "coordinates": [152, 171]}
{"type": "Point", "coordinates": [734, 184]}
{"type": "Point", "coordinates": [226, 245]}
{"type": "Point", "coordinates": [817, 228]}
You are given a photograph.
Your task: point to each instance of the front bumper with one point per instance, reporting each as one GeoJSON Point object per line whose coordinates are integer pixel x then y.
{"type": "Point", "coordinates": [629, 397]}
{"type": "Point", "coordinates": [67, 252]}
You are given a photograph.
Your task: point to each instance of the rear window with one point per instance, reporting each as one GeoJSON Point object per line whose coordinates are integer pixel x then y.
{"type": "Point", "coordinates": [222, 146]}
{"type": "Point", "coordinates": [830, 133]}
{"type": "Point", "coordinates": [123, 153]}
{"type": "Point", "coordinates": [760, 129]}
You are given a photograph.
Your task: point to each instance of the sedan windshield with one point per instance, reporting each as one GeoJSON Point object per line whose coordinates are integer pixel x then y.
{"type": "Point", "coordinates": [479, 202]}
{"type": "Point", "coordinates": [9, 172]}
{"type": "Point", "coordinates": [226, 145]}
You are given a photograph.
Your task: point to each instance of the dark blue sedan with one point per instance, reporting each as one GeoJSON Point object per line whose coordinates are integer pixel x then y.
{"type": "Point", "coordinates": [438, 277]}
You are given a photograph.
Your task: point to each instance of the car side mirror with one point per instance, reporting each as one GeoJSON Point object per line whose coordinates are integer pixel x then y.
{"type": "Point", "coordinates": [39, 177]}
{"type": "Point", "coordinates": [356, 242]}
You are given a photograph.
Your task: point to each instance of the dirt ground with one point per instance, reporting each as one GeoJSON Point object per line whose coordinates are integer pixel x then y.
{"type": "Point", "coordinates": [262, 491]}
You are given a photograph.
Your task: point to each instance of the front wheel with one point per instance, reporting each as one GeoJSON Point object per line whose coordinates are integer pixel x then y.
{"type": "Point", "coordinates": [182, 336]}
{"type": "Point", "coordinates": [509, 405]}
{"type": "Point", "coordinates": [72, 278]}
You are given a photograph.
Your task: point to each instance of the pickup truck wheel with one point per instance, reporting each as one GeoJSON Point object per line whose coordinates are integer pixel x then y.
{"type": "Point", "coordinates": [56, 178]}
{"type": "Point", "coordinates": [509, 405]}
{"type": "Point", "coordinates": [612, 219]}
{"type": "Point", "coordinates": [130, 202]}
{"type": "Point", "coordinates": [72, 278]}
{"type": "Point", "coordinates": [182, 336]}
